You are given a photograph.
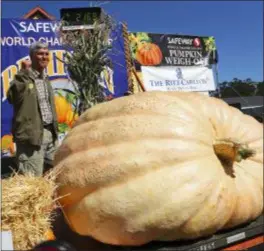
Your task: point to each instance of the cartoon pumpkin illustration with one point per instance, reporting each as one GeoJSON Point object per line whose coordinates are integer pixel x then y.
{"type": "Point", "coordinates": [62, 108]}
{"type": "Point", "coordinates": [148, 54]}
{"type": "Point", "coordinates": [7, 144]}
{"type": "Point", "coordinates": [143, 50]}
{"type": "Point", "coordinates": [71, 118]}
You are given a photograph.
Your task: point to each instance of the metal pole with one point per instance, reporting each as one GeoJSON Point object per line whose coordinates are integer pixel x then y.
{"type": "Point", "coordinates": [217, 80]}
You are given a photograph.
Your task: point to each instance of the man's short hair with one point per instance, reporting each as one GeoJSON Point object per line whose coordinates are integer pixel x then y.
{"type": "Point", "coordinates": [37, 46]}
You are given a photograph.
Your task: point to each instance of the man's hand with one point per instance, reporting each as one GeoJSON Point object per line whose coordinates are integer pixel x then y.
{"type": "Point", "coordinates": [26, 64]}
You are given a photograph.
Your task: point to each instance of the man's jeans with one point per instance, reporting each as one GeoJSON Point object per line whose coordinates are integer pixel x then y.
{"type": "Point", "coordinates": [30, 158]}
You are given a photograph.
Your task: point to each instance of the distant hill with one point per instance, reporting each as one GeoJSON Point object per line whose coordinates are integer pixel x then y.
{"type": "Point", "coordinates": [239, 88]}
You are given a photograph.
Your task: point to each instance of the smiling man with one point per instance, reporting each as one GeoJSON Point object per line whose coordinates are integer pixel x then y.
{"type": "Point", "coordinates": [34, 124]}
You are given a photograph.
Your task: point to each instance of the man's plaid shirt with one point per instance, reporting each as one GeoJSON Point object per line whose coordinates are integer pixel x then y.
{"type": "Point", "coordinates": [43, 96]}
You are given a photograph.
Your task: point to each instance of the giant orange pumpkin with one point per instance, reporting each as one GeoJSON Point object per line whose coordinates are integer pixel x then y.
{"type": "Point", "coordinates": [62, 108]}
{"type": "Point", "coordinates": [160, 166]}
{"type": "Point", "coordinates": [148, 54]}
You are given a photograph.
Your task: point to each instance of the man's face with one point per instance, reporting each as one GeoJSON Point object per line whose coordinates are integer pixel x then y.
{"type": "Point", "coordinates": [40, 59]}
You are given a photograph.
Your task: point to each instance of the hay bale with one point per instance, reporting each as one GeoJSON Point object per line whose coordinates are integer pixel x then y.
{"type": "Point", "coordinates": [27, 203]}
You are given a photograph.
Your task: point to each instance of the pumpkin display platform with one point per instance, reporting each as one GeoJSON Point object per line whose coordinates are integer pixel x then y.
{"type": "Point", "coordinates": [218, 241]}
{"type": "Point", "coordinates": [224, 240]}
{"type": "Point", "coordinates": [160, 166]}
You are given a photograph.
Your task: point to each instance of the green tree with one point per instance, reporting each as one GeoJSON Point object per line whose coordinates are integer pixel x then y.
{"type": "Point", "coordinates": [238, 87]}
{"type": "Point", "coordinates": [248, 80]}
{"type": "Point", "coordinates": [243, 89]}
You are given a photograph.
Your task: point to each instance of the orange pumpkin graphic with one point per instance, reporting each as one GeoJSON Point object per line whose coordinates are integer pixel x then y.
{"type": "Point", "coordinates": [62, 108]}
{"type": "Point", "coordinates": [148, 54]}
{"type": "Point", "coordinates": [7, 144]}
{"type": "Point", "coordinates": [71, 118]}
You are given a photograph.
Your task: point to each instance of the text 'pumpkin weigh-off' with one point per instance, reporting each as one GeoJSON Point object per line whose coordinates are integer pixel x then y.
{"type": "Point", "coordinates": [160, 166]}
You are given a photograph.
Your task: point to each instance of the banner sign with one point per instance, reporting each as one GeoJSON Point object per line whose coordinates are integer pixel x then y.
{"type": "Point", "coordinates": [167, 78]}
{"type": "Point", "coordinates": [16, 37]}
{"type": "Point", "coordinates": [150, 49]}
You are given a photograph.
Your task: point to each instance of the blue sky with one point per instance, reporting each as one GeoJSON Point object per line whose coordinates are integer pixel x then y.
{"type": "Point", "coordinates": [236, 25]}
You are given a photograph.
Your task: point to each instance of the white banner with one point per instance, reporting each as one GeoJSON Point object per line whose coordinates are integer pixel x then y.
{"type": "Point", "coordinates": [172, 78]}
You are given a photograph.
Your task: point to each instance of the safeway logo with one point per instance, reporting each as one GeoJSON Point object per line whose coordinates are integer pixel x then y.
{"type": "Point", "coordinates": [197, 42]}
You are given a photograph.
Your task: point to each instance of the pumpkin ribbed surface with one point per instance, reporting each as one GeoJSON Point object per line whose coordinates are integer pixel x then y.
{"type": "Point", "coordinates": [147, 167]}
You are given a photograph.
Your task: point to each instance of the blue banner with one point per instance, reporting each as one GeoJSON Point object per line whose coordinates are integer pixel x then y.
{"type": "Point", "coordinates": [17, 35]}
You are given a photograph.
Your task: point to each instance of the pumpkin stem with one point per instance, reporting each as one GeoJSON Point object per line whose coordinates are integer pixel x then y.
{"type": "Point", "coordinates": [229, 151]}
